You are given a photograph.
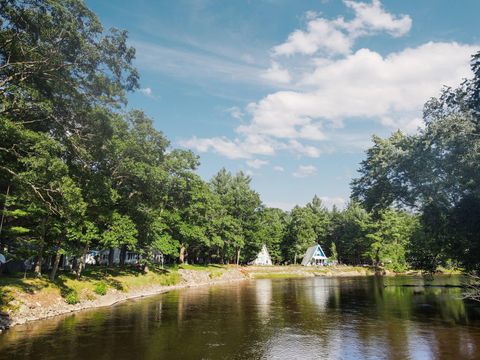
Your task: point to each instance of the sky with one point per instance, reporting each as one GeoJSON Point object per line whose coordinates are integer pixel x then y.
{"type": "Point", "coordinates": [291, 91]}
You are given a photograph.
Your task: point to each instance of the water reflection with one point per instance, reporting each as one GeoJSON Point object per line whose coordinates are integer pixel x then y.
{"type": "Point", "coordinates": [331, 318]}
{"type": "Point", "coordinates": [263, 295]}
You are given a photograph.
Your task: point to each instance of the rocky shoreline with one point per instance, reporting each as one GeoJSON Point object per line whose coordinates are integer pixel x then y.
{"type": "Point", "coordinates": [31, 311]}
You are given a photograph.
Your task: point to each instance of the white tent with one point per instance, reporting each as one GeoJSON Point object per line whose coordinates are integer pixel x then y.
{"type": "Point", "coordinates": [314, 256]}
{"type": "Point", "coordinates": [263, 257]}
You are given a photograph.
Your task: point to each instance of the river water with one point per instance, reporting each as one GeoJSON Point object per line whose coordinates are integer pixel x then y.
{"type": "Point", "coordinates": [312, 318]}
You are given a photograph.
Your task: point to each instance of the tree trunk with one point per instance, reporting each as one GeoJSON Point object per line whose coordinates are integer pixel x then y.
{"type": "Point", "coordinates": [81, 262]}
{"type": "Point", "coordinates": [39, 263]}
{"type": "Point", "coordinates": [295, 259]}
{"type": "Point", "coordinates": [110, 257]}
{"type": "Point", "coordinates": [182, 254]}
{"type": "Point", "coordinates": [123, 255]}
{"type": "Point", "coordinates": [238, 256]}
{"type": "Point", "coordinates": [55, 265]}
{"type": "Point", "coordinates": [3, 216]}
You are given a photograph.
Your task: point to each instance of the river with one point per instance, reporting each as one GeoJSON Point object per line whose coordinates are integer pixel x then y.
{"type": "Point", "coordinates": [311, 318]}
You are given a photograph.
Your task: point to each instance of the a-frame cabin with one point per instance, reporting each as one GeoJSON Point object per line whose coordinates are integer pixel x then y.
{"type": "Point", "coordinates": [314, 256]}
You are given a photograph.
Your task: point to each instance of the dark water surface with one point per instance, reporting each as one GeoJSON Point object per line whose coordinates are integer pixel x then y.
{"type": "Point", "coordinates": [313, 318]}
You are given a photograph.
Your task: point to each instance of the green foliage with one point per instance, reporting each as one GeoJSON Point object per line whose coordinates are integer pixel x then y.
{"type": "Point", "coordinates": [72, 298]}
{"type": "Point", "coordinates": [120, 231]}
{"type": "Point", "coordinates": [78, 172]}
{"type": "Point", "coordinates": [100, 288]}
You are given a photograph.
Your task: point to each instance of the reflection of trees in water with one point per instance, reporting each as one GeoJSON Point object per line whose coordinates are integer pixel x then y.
{"type": "Point", "coordinates": [335, 317]}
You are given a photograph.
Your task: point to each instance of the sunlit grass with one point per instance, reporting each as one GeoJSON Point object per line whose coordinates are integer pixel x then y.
{"type": "Point", "coordinates": [94, 282]}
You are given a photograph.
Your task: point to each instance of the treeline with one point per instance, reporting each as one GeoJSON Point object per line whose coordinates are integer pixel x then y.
{"type": "Point", "coordinates": [78, 172]}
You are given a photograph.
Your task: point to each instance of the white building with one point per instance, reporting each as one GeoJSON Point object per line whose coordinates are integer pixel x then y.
{"type": "Point", "coordinates": [263, 257]}
{"type": "Point", "coordinates": [130, 257]}
{"type": "Point", "coordinates": [314, 256]}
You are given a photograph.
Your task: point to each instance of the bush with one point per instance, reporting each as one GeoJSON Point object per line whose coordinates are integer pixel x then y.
{"type": "Point", "coordinates": [72, 298]}
{"type": "Point", "coordinates": [100, 288]}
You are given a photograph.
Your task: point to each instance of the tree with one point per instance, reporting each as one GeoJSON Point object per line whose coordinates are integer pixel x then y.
{"type": "Point", "coordinates": [121, 231]}
{"type": "Point", "coordinates": [391, 236]}
{"type": "Point", "coordinates": [435, 172]}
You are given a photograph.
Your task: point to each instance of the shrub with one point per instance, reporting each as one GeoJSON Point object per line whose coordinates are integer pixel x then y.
{"type": "Point", "coordinates": [72, 298]}
{"type": "Point", "coordinates": [100, 288]}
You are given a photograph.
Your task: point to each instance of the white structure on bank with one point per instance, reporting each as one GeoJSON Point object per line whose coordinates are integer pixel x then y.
{"type": "Point", "coordinates": [314, 256]}
{"type": "Point", "coordinates": [130, 257]}
{"type": "Point", "coordinates": [263, 257]}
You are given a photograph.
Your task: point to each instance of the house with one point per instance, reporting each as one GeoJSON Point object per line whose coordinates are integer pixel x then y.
{"type": "Point", "coordinates": [157, 257]}
{"type": "Point", "coordinates": [263, 257]}
{"type": "Point", "coordinates": [130, 257]}
{"type": "Point", "coordinates": [314, 256]}
{"type": "Point", "coordinates": [92, 256]}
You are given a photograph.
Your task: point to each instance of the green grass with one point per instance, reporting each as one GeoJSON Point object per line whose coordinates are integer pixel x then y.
{"type": "Point", "coordinates": [95, 281]}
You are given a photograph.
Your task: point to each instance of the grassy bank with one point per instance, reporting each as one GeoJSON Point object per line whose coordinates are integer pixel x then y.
{"type": "Point", "coordinates": [296, 271]}
{"type": "Point", "coordinates": [95, 282]}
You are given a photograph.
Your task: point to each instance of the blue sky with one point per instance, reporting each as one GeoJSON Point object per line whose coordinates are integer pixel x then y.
{"type": "Point", "coordinates": [291, 91]}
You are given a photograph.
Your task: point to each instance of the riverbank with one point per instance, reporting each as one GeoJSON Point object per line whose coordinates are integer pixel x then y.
{"type": "Point", "coordinates": [28, 299]}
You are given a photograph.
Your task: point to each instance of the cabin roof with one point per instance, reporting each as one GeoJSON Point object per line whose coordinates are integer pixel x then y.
{"type": "Point", "coordinates": [313, 251]}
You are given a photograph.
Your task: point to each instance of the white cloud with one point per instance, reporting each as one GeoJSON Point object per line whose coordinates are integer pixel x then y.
{"type": "Point", "coordinates": [321, 34]}
{"type": "Point", "coordinates": [314, 114]}
{"type": "Point", "coordinates": [299, 148]}
{"type": "Point", "coordinates": [337, 36]}
{"type": "Point", "coordinates": [146, 91]}
{"type": "Point", "coordinates": [232, 149]}
{"type": "Point", "coordinates": [328, 201]}
{"type": "Point", "coordinates": [373, 17]}
{"type": "Point", "coordinates": [363, 85]}
{"type": "Point", "coordinates": [278, 168]}
{"type": "Point", "coordinates": [304, 171]}
{"type": "Point", "coordinates": [256, 163]}
{"type": "Point", "coordinates": [277, 74]}
{"type": "Point", "coordinates": [235, 112]}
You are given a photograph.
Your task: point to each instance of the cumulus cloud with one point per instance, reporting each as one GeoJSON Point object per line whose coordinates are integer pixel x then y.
{"type": "Point", "coordinates": [278, 168]}
{"type": "Point", "coordinates": [337, 36]}
{"type": "Point", "coordinates": [391, 89]}
{"type": "Point", "coordinates": [313, 114]}
{"type": "Point", "coordinates": [256, 163]}
{"type": "Point", "coordinates": [305, 171]}
{"type": "Point", "coordinates": [277, 74]}
{"type": "Point", "coordinates": [232, 149]}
